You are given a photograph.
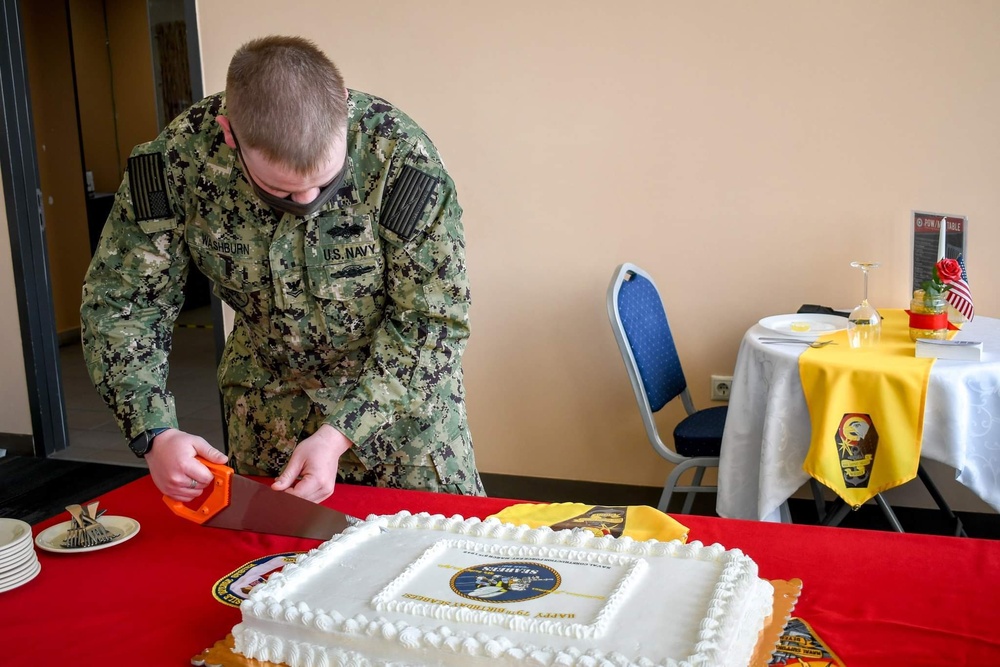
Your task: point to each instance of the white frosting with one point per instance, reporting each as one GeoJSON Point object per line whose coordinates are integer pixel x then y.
{"type": "Point", "coordinates": [405, 590]}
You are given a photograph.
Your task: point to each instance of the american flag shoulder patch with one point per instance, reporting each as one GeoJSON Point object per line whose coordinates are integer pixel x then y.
{"type": "Point", "coordinates": [406, 201]}
{"type": "Point", "coordinates": [148, 187]}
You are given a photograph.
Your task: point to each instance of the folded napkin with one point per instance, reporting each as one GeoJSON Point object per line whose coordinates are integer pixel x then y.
{"type": "Point", "coordinates": [639, 522]}
{"type": "Point", "coordinates": [867, 411]}
{"type": "Point", "coordinates": [821, 310]}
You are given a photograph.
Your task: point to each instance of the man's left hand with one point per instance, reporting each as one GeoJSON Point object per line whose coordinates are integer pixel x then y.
{"type": "Point", "coordinates": [311, 472]}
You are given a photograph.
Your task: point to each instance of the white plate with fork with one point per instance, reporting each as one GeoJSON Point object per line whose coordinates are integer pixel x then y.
{"type": "Point", "coordinates": [52, 538]}
{"type": "Point", "coordinates": [804, 325]}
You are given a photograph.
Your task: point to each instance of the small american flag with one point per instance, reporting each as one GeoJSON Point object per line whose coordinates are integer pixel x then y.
{"type": "Point", "coordinates": [960, 296]}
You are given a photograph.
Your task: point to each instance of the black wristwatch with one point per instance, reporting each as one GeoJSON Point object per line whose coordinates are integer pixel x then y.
{"type": "Point", "coordinates": [142, 443]}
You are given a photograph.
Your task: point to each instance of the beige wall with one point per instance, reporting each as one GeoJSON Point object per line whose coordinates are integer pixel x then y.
{"type": "Point", "coordinates": [744, 153]}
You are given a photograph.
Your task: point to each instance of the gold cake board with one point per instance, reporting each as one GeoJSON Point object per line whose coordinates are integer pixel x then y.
{"type": "Point", "coordinates": [786, 593]}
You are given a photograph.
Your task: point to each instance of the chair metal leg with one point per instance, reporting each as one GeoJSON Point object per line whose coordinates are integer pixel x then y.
{"type": "Point", "coordinates": [840, 508]}
{"type": "Point", "coordinates": [889, 514]}
{"type": "Point", "coordinates": [668, 488]}
{"type": "Point", "coordinates": [689, 500]}
{"type": "Point", "coordinates": [836, 514]}
{"type": "Point", "coordinates": [818, 498]}
{"type": "Point", "coordinates": [696, 487]}
{"type": "Point", "coordinates": [941, 502]}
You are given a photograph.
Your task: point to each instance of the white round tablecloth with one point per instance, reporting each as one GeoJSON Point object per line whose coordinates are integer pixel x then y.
{"type": "Point", "coordinates": [768, 429]}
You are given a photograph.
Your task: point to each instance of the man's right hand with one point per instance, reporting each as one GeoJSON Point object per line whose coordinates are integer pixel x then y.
{"type": "Point", "coordinates": [174, 468]}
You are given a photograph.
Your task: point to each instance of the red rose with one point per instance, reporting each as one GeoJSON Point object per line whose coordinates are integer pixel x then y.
{"type": "Point", "coordinates": [949, 271]}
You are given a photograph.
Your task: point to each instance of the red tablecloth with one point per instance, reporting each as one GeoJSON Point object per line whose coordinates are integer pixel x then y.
{"type": "Point", "coordinates": [876, 598]}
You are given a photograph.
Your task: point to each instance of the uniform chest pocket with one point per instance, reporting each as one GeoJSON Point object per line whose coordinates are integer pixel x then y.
{"type": "Point", "coordinates": [350, 295]}
{"type": "Point", "coordinates": [343, 257]}
{"type": "Point", "coordinates": [345, 281]}
{"type": "Point", "coordinates": [229, 234]}
{"type": "Point", "coordinates": [234, 264]}
{"type": "Point", "coordinates": [238, 268]}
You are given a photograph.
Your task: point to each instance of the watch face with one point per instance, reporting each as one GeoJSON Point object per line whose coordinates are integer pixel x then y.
{"type": "Point", "coordinates": [140, 444]}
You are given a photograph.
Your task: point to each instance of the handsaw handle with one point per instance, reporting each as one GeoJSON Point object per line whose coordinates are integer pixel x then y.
{"type": "Point", "coordinates": [214, 502]}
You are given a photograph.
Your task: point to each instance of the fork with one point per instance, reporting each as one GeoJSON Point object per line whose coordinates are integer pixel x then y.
{"type": "Point", "coordinates": [796, 341]}
{"type": "Point", "coordinates": [85, 530]}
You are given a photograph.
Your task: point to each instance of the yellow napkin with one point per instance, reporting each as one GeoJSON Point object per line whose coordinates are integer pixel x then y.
{"type": "Point", "coordinates": [636, 521]}
{"type": "Point", "coordinates": [867, 411]}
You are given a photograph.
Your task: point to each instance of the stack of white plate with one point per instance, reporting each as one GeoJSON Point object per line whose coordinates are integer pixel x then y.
{"type": "Point", "coordinates": [18, 560]}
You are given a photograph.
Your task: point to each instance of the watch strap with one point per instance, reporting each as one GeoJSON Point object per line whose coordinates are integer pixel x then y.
{"type": "Point", "coordinates": [142, 443]}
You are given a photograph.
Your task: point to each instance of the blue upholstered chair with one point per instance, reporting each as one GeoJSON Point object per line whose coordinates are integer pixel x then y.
{"type": "Point", "coordinates": [654, 369]}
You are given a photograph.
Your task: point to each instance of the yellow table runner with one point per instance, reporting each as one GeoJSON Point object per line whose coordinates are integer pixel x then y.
{"type": "Point", "coordinates": [867, 411]}
{"type": "Point", "coordinates": [639, 522]}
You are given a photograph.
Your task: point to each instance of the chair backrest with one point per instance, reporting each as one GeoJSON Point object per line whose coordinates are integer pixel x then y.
{"type": "Point", "coordinates": [644, 339]}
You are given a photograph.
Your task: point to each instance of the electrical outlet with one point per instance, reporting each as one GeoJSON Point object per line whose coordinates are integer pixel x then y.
{"type": "Point", "coordinates": [721, 386]}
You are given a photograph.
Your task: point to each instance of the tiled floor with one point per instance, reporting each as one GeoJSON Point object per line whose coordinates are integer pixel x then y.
{"type": "Point", "coordinates": [93, 433]}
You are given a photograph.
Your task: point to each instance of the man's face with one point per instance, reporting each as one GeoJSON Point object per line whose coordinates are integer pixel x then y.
{"type": "Point", "coordinates": [281, 187]}
{"type": "Point", "coordinates": [284, 183]}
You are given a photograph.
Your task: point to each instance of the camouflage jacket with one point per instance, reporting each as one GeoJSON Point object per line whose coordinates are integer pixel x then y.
{"type": "Point", "coordinates": [356, 316]}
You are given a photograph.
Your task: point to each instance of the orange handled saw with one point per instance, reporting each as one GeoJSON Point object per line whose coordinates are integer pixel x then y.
{"type": "Point", "coordinates": [239, 503]}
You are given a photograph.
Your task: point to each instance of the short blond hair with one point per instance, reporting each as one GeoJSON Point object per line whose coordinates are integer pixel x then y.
{"type": "Point", "coordinates": [285, 98]}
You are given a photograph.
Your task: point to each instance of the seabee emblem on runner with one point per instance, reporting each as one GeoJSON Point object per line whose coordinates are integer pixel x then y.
{"type": "Point", "coordinates": [857, 444]}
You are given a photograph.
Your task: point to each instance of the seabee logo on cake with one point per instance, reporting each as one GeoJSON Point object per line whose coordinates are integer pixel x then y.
{"type": "Point", "coordinates": [505, 582]}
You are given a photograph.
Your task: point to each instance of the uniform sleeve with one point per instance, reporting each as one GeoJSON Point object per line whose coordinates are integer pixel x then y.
{"type": "Point", "coordinates": [414, 365]}
{"type": "Point", "coordinates": [132, 294]}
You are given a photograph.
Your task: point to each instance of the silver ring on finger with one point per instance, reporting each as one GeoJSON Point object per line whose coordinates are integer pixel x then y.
{"type": "Point", "coordinates": [194, 484]}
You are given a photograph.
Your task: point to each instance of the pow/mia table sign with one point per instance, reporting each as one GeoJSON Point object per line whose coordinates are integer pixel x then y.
{"type": "Point", "coordinates": [926, 230]}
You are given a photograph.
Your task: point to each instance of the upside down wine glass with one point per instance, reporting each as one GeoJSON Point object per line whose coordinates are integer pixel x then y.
{"type": "Point", "coordinates": [864, 325]}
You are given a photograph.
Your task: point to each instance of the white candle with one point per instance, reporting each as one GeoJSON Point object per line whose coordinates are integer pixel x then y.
{"type": "Point", "coordinates": [944, 226]}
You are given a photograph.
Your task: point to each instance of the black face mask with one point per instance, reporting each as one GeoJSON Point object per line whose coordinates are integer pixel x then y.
{"type": "Point", "coordinates": [286, 204]}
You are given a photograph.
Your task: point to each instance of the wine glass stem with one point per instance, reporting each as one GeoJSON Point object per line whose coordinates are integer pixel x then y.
{"type": "Point", "coordinates": [865, 271]}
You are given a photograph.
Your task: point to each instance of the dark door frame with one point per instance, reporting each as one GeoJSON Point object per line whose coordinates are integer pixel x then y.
{"type": "Point", "coordinates": [26, 225]}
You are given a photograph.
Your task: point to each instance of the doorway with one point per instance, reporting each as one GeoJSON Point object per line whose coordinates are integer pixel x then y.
{"type": "Point", "coordinates": [103, 76]}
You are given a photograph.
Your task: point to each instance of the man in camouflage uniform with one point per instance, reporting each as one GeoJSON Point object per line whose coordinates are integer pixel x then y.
{"type": "Point", "coordinates": [326, 219]}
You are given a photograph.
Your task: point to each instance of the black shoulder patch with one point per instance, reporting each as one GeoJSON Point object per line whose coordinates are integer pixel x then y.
{"type": "Point", "coordinates": [148, 187]}
{"type": "Point", "coordinates": [407, 200]}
